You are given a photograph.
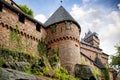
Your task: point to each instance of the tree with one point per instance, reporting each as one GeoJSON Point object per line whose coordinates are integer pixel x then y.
{"type": "Point", "coordinates": [27, 10]}
{"type": "Point", "coordinates": [116, 58]}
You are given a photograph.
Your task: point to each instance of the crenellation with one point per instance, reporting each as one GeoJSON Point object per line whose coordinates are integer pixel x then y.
{"type": "Point", "coordinates": [28, 28]}
{"type": "Point", "coordinates": [62, 33]}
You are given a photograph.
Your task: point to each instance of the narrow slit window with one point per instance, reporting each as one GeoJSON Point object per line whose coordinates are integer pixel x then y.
{"type": "Point", "coordinates": [1, 7]}
{"type": "Point", "coordinates": [53, 27]}
{"type": "Point", "coordinates": [38, 27]}
{"type": "Point", "coordinates": [68, 25]}
{"type": "Point", "coordinates": [61, 29]}
{"type": "Point", "coordinates": [21, 18]}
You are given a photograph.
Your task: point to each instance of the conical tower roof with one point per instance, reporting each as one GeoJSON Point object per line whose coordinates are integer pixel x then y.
{"type": "Point", "coordinates": [60, 15]}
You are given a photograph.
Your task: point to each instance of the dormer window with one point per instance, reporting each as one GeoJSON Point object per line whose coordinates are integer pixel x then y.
{"type": "Point", "coordinates": [38, 27]}
{"type": "Point", "coordinates": [1, 7]}
{"type": "Point", "coordinates": [21, 18]}
{"type": "Point", "coordinates": [68, 25]}
{"type": "Point", "coordinates": [53, 28]}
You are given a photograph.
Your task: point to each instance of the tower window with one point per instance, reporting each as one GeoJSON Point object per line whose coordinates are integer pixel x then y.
{"type": "Point", "coordinates": [68, 25]}
{"type": "Point", "coordinates": [38, 27]}
{"type": "Point", "coordinates": [61, 29]}
{"type": "Point", "coordinates": [21, 18]}
{"type": "Point", "coordinates": [1, 7]}
{"type": "Point", "coordinates": [53, 27]}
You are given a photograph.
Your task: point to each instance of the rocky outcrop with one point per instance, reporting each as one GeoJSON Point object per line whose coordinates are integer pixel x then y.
{"type": "Point", "coordinates": [9, 74]}
{"type": "Point", "coordinates": [85, 72]}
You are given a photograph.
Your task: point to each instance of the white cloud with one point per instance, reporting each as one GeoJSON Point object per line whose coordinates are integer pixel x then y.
{"type": "Point", "coordinates": [40, 17]}
{"type": "Point", "coordinates": [118, 5]}
{"type": "Point", "coordinates": [106, 25]}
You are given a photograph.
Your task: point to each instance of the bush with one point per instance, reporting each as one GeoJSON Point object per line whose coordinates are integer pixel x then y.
{"type": "Point", "coordinates": [2, 61]}
{"type": "Point", "coordinates": [106, 73]}
{"type": "Point", "coordinates": [62, 74]}
{"type": "Point", "coordinates": [46, 70]}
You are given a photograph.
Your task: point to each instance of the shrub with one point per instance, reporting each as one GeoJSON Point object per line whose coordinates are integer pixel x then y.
{"type": "Point", "coordinates": [106, 73]}
{"type": "Point", "coordinates": [46, 70]}
{"type": "Point", "coordinates": [62, 74]}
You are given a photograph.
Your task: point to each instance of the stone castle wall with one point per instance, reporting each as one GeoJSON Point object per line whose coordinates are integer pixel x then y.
{"type": "Point", "coordinates": [9, 21]}
{"type": "Point", "coordinates": [104, 59]}
{"type": "Point", "coordinates": [67, 40]}
{"type": "Point", "coordinates": [91, 52]}
{"type": "Point", "coordinates": [63, 33]}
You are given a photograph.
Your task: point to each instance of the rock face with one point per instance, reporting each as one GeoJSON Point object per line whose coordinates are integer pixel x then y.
{"type": "Point", "coordinates": [84, 72]}
{"type": "Point", "coordinates": [9, 74]}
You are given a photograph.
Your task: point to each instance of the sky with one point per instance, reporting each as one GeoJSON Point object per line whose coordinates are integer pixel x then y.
{"type": "Point", "coordinates": [100, 16]}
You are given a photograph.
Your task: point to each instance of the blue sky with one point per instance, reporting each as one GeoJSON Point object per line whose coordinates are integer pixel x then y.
{"type": "Point", "coordinates": [101, 16]}
{"type": "Point", "coordinates": [47, 7]}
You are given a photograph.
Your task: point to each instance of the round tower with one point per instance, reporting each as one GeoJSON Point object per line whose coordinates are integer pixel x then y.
{"type": "Point", "coordinates": [63, 33]}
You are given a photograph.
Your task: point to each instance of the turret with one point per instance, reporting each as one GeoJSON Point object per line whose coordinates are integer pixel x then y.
{"type": "Point", "coordinates": [63, 33]}
{"type": "Point", "coordinates": [92, 38]}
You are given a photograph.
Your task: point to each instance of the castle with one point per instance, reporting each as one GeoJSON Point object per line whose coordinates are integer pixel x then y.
{"type": "Point", "coordinates": [61, 31]}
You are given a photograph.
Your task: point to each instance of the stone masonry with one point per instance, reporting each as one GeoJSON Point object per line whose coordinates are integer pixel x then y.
{"type": "Point", "coordinates": [60, 30]}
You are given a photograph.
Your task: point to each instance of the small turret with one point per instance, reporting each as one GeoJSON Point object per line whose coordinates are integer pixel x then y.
{"type": "Point", "coordinates": [92, 38]}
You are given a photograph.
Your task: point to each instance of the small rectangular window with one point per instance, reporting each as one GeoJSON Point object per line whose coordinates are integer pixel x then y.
{"type": "Point", "coordinates": [61, 29]}
{"type": "Point", "coordinates": [1, 7]}
{"type": "Point", "coordinates": [53, 27]}
{"type": "Point", "coordinates": [38, 27]}
{"type": "Point", "coordinates": [21, 18]}
{"type": "Point", "coordinates": [68, 25]}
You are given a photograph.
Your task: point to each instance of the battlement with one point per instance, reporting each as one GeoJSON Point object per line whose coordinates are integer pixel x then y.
{"type": "Point", "coordinates": [20, 22]}
{"type": "Point", "coordinates": [19, 31]}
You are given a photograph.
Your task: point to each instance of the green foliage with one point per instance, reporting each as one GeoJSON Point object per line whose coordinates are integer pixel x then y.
{"type": "Point", "coordinates": [62, 74]}
{"type": "Point", "coordinates": [46, 70]}
{"type": "Point", "coordinates": [16, 41]}
{"type": "Point", "coordinates": [9, 55]}
{"type": "Point", "coordinates": [2, 61]}
{"type": "Point", "coordinates": [16, 38]}
{"type": "Point", "coordinates": [19, 42]}
{"type": "Point", "coordinates": [106, 74]}
{"type": "Point", "coordinates": [96, 73]}
{"type": "Point", "coordinates": [42, 47]}
{"type": "Point", "coordinates": [27, 10]}
{"type": "Point", "coordinates": [36, 70]}
{"type": "Point", "coordinates": [28, 44]}
{"type": "Point", "coordinates": [28, 71]}
{"type": "Point", "coordinates": [55, 58]}
{"type": "Point", "coordinates": [83, 61]}
{"type": "Point", "coordinates": [116, 58]}
{"type": "Point", "coordinates": [13, 35]}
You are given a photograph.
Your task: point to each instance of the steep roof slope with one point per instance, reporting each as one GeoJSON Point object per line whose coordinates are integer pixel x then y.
{"type": "Point", "coordinates": [99, 62]}
{"type": "Point", "coordinates": [60, 15]}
